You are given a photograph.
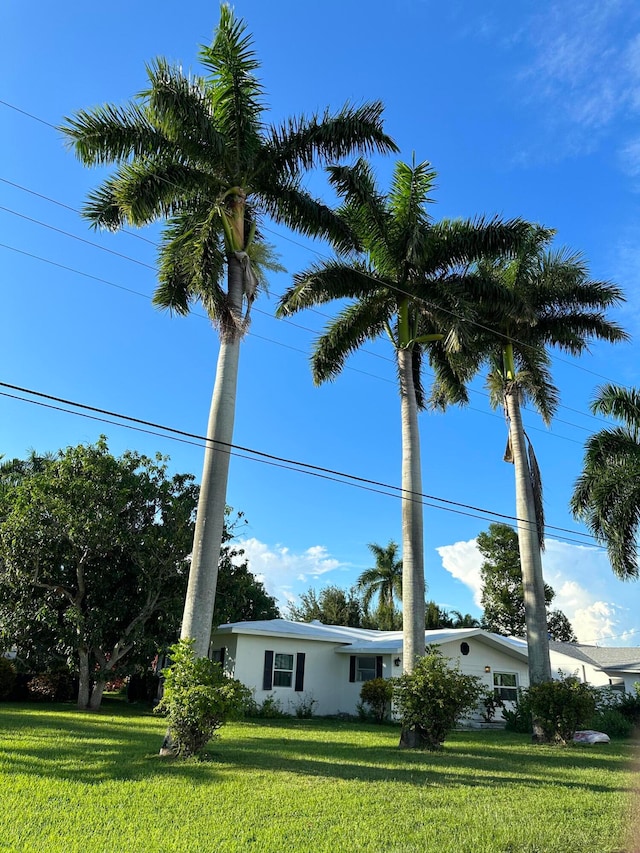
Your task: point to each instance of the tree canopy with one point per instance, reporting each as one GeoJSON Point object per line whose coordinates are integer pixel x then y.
{"type": "Point", "coordinates": [502, 591]}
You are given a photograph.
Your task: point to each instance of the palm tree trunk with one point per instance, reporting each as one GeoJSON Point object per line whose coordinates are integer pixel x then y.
{"type": "Point", "coordinates": [412, 520]}
{"type": "Point", "coordinates": [529, 546]}
{"type": "Point", "coordinates": [203, 575]}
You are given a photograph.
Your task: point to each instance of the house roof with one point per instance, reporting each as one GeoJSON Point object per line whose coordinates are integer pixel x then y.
{"type": "Point", "coordinates": [619, 659]}
{"type": "Point", "coordinates": [368, 641]}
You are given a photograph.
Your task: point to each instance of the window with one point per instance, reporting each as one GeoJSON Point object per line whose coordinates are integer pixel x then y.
{"type": "Point", "coordinates": [282, 670]}
{"type": "Point", "coordinates": [278, 670]}
{"type": "Point", "coordinates": [364, 668]}
{"type": "Point", "coordinates": [505, 686]}
{"type": "Point", "coordinates": [464, 648]}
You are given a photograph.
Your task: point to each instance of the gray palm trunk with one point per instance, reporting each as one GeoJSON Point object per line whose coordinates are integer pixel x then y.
{"type": "Point", "coordinates": [203, 574]}
{"type": "Point", "coordinates": [413, 586]}
{"type": "Point", "coordinates": [529, 546]}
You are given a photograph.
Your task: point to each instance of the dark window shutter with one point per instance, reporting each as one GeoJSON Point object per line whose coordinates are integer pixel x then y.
{"type": "Point", "coordinates": [378, 666]}
{"type": "Point", "coordinates": [267, 675]}
{"type": "Point", "coordinates": [300, 671]}
{"type": "Point", "coordinates": [222, 655]}
{"type": "Point", "coordinates": [352, 668]}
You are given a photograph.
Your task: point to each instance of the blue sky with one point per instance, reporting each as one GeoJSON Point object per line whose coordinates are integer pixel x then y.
{"type": "Point", "coordinates": [527, 109]}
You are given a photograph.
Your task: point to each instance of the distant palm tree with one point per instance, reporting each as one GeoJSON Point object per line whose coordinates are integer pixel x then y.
{"type": "Point", "coordinates": [551, 303]}
{"type": "Point", "coordinates": [383, 580]}
{"type": "Point", "coordinates": [607, 494]}
{"type": "Point", "coordinates": [413, 286]}
{"type": "Point", "coordinates": [464, 620]}
{"type": "Point", "coordinates": [195, 152]}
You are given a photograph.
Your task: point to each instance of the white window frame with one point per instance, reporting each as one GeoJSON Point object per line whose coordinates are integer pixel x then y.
{"type": "Point", "coordinates": [501, 689]}
{"type": "Point", "coordinates": [363, 673]}
{"type": "Point", "coordinates": [280, 671]}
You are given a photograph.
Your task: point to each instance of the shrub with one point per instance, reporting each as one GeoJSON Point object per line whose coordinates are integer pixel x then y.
{"type": "Point", "coordinates": [431, 700]}
{"type": "Point", "coordinates": [7, 677]}
{"type": "Point", "coordinates": [611, 722]}
{"type": "Point", "coordinates": [54, 686]}
{"type": "Point", "coordinates": [629, 705]}
{"type": "Point", "coordinates": [198, 699]}
{"type": "Point", "coordinates": [561, 707]}
{"type": "Point", "coordinates": [518, 718]}
{"type": "Point", "coordinates": [304, 706]}
{"type": "Point", "coordinates": [270, 709]}
{"type": "Point", "coordinates": [489, 704]}
{"type": "Point", "coordinates": [377, 693]}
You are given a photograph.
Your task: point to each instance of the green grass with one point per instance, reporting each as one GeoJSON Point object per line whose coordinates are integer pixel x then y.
{"type": "Point", "coordinates": [79, 782]}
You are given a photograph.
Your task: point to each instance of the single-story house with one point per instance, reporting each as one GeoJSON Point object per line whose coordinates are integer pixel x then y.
{"type": "Point", "coordinates": [296, 662]}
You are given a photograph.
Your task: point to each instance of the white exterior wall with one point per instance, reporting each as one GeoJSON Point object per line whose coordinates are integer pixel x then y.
{"type": "Point", "coordinates": [326, 677]}
{"type": "Point", "coordinates": [326, 674]}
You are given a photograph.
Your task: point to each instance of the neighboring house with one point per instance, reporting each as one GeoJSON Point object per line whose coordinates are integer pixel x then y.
{"type": "Point", "coordinates": [296, 661]}
{"type": "Point", "coordinates": [603, 666]}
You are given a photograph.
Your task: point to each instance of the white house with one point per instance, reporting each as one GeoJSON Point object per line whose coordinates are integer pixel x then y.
{"type": "Point", "coordinates": [295, 661]}
{"type": "Point", "coordinates": [298, 661]}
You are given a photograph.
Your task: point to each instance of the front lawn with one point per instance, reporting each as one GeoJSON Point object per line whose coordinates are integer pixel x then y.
{"type": "Point", "coordinates": [73, 781]}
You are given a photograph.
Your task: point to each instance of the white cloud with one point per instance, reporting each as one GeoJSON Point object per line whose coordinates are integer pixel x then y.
{"type": "Point", "coordinates": [281, 570]}
{"type": "Point", "coordinates": [601, 609]}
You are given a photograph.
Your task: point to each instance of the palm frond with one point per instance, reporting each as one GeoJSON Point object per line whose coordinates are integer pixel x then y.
{"type": "Point", "coordinates": [621, 403]}
{"type": "Point", "coordinates": [324, 283]}
{"type": "Point", "coordinates": [112, 134]}
{"type": "Point", "coordinates": [361, 321]}
{"type": "Point", "coordinates": [303, 143]}
{"type": "Point", "coordinates": [536, 487]}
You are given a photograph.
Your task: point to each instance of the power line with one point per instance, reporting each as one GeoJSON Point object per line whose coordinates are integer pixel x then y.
{"type": "Point", "coordinates": [398, 289]}
{"type": "Point", "coordinates": [295, 464]}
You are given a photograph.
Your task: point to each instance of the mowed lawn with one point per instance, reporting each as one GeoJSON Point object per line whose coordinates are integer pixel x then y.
{"type": "Point", "coordinates": [73, 781]}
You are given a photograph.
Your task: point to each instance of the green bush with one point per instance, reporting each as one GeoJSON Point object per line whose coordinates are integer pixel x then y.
{"type": "Point", "coordinates": [198, 699]}
{"type": "Point", "coordinates": [518, 718]}
{"type": "Point", "coordinates": [304, 707]}
{"type": "Point", "coordinates": [629, 705]}
{"type": "Point", "coordinates": [7, 677]}
{"type": "Point", "coordinates": [432, 699]}
{"type": "Point", "coordinates": [269, 709]}
{"type": "Point", "coordinates": [377, 693]}
{"type": "Point", "coordinates": [611, 722]}
{"type": "Point", "coordinates": [561, 707]}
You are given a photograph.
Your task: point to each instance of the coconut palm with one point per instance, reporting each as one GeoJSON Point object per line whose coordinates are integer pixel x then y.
{"type": "Point", "coordinates": [194, 151]}
{"type": "Point", "coordinates": [553, 303]}
{"type": "Point", "coordinates": [411, 286]}
{"type": "Point", "coordinates": [384, 580]}
{"type": "Point", "coordinates": [607, 494]}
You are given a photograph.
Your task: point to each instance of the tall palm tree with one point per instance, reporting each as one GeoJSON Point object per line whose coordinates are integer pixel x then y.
{"type": "Point", "coordinates": [607, 494]}
{"type": "Point", "coordinates": [194, 151]}
{"type": "Point", "coordinates": [553, 303]}
{"type": "Point", "coordinates": [411, 286]}
{"type": "Point", "coordinates": [383, 580]}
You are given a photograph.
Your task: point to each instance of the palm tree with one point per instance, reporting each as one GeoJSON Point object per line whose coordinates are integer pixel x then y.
{"type": "Point", "coordinates": [194, 151]}
{"type": "Point", "coordinates": [411, 286]}
{"type": "Point", "coordinates": [607, 494]}
{"type": "Point", "coordinates": [553, 303]}
{"type": "Point", "coordinates": [383, 580]}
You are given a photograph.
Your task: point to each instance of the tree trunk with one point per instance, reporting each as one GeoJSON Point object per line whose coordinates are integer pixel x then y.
{"type": "Point", "coordinates": [529, 546]}
{"type": "Point", "coordinates": [203, 574]}
{"type": "Point", "coordinates": [413, 624]}
{"type": "Point", "coordinates": [96, 695]}
{"type": "Point", "coordinates": [83, 679]}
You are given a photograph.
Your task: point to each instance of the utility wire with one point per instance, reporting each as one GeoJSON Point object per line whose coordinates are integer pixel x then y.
{"type": "Point", "coordinates": [391, 286]}
{"type": "Point", "coordinates": [295, 464]}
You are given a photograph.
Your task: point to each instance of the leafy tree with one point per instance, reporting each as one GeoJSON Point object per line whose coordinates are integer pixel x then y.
{"type": "Point", "coordinates": [548, 301]}
{"type": "Point", "coordinates": [195, 152]}
{"type": "Point", "coordinates": [432, 699]}
{"type": "Point", "coordinates": [384, 581]}
{"type": "Point", "coordinates": [331, 606]}
{"type": "Point", "coordinates": [412, 283]}
{"type": "Point", "coordinates": [240, 597]}
{"type": "Point", "coordinates": [607, 493]}
{"type": "Point", "coordinates": [502, 590]}
{"type": "Point", "coordinates": [95, 547]}
{"type": "Point", "coordinates": [436, 617]}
